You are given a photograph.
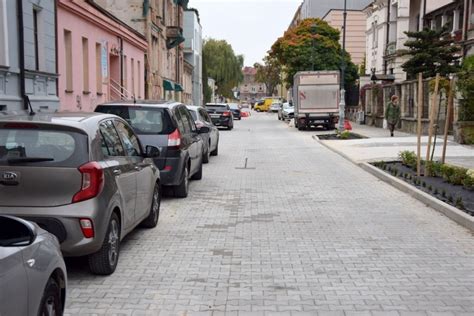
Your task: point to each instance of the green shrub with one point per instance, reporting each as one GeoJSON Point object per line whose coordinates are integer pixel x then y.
{"type": "Point", "coordinates": [459, 203]}
{"type": "Point", "coordinates": [468, 181]}
{"type": "Point", "coordinates": [453, 175]}
{"type": "Point", "coordinates": [433, 168]}
{"type": "Point", "coordinates": [408, 158]}
{"type": "Point", "coordinates": [345, 135]}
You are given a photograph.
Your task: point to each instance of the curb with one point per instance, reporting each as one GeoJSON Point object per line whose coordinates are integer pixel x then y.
{"type": "Point", "coordinates": [449, 211]}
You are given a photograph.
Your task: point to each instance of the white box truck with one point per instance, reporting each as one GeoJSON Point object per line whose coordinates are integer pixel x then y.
{"type": "Point", "coordinates": [316, 99]}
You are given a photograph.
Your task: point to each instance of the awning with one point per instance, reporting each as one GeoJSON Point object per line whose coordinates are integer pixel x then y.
{"type": "Point", "coordinates": [178, 87]}
{"type": "Point", "coordinates": [174, 41]}
{"type": "Point", "coordinates": [168, 85]}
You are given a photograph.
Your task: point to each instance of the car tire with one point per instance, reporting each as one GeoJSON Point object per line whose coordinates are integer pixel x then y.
{"type": "Point", "coordinates": [104, 261]}
{"type": "Point", "coordinates": [51, 303]}
{"type": "Point", "coordinates": [215, 152]}
{"type": "Point", "coordinates": [230, 127]}
{"type": "Point", "coordinates": [182, 190]}
{"type": "Point", "coordinates": [198, 174]}
{"type": "Point", "coordinates": [296, 123]}
{"type": "Point", "coordinates": [152, 220]}
{"type": "Point", "coordinates": [206, 156]}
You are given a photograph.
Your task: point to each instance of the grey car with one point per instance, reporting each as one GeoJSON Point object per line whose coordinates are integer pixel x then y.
{"type": "Point", "coordinates": [83, 177]}
{"type": "Point", "coordinates": [211, 139]}
{"type": "Point", "coordinates": [32, 271]}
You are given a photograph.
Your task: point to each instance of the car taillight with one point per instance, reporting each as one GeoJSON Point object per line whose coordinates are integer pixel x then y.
{"type": "Point", "coordinates": [87, 227]}
{"type": "Point", "coordinates": [174, 139]}
{"type": "Point", "coordinates": [227, 113]}
{"type": "Point", "coordinates": [92, 181]}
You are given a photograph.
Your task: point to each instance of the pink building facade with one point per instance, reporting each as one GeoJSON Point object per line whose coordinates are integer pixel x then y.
{"type": "Point", "coordinates": [100, 58]}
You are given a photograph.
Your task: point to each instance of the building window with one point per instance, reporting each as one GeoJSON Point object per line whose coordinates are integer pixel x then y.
{"type": "Point", "coordinates": [68, 59]}
{"type": "Point", "coordinates": [98, 67]}
{"type": "Point", "coordinates": [375, 35]}
{"type": "Point", "coordinates": [4, 58]}
{"type": "Point", "coordinates": [139, 79]}
{"type": "Point", "coordinates": [85, 64]}
{"type": "Point", "coordinates": [35, 37]}
{"type": "Point", "coordinates": [132, 69]}
{"type": "Point", "coordinates": [449, 24]}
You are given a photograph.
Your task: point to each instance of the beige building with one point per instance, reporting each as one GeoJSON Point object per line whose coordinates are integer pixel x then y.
{"type": "Point", "coordinates": [355, 34]}
{"type": "Point", "coordinates": [188, 84]}
{"type": "Point", "coordinates": [161, 22]}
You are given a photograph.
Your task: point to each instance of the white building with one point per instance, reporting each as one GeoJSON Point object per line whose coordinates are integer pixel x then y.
{"type": "Point", "coordinates": [193, 52]}
{"type": "Point", "coordinates": [387, 22]}
{"type": "Point", "coordinates": [319, 8]}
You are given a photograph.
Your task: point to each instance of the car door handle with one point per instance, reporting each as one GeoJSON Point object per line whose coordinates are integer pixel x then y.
{"type": "Point", "coordinates": [138, 168]}
{"type": "Point", "coordinates": [31, 262]}
{"type": "Point", "coordinates": [117, 172]}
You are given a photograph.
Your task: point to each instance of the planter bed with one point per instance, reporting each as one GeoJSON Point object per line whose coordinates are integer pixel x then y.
{"type": "Point", "coordinates": [338, 137]}
{"type": "Point", "coordinates": [455, 195]}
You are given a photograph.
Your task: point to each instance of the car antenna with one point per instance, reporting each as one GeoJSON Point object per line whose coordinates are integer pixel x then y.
{"type": "Point", "coordinates": [27, 98]}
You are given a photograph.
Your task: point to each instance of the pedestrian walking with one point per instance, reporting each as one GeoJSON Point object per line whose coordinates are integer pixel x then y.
{"type": "Point", "coordinates": [392, 114]}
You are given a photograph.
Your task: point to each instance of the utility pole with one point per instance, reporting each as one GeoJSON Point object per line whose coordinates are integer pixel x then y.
{"type": "Point", "coordinates": [342, 103]}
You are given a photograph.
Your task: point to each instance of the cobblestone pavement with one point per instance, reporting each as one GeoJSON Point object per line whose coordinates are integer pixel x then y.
{"type": "Point", "coordinates": [304, 233]}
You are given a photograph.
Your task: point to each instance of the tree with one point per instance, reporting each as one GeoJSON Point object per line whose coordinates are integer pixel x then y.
{"type": "Point", "coordinates": [312, 44]}
{"type": "Point", "coordinates": [269, 73]}
{"type": "Point", "coordinates": [431, 52]}
{"type": "Point", "coordinates": [221, 64]}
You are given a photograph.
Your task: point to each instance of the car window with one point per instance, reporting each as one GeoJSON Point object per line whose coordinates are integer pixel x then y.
{"type": "Point", "coordinates": [194, 114]}
{"type": "Point", "coordinates": [179, 120]}
{"type": "Point", "coordinates": [49, 147]}
{"type": "Point", "coordinates": [129, 140]}
{"type": "Point", "coordinates": [144, 120]}
{"type": "Point", "coordinates": [204, 115]}
{"type": "Point", "coordinates": [110, 140]}
{"type": "Point", "coordinates": [185, 117]}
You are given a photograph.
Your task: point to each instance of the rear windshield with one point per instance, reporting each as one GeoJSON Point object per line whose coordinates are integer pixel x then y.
{"type": "Point", "coordinates": [145, 121]}
{"type": "Point", "coordinates": [217, 106]}
{"type": "Point", "coordinates": [38, 147]}
{"type": "Point", "coordinates": [234, 106]}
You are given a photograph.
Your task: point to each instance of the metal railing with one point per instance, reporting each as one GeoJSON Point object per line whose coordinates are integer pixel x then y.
{"type": "Point", "coordinates": [120, 91]}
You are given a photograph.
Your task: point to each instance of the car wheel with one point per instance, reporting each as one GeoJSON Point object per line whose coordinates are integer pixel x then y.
{"type": "Point", "coordinates": [198, 174]}
{"type": "Point", "coordinates": [182, 189]}
{"type": "Point", "coordinates": [206, 156]}
{"type": "Point", "coordinates": [230, 127]}
{"type": "Point", "coordinates": [51, 303]}
{"type": "Point", "coordinates": [104, 261]}
{"type": "Point", "coordinates": [215, 152]}
{"type": "Point", "coordinates": [152, 220]}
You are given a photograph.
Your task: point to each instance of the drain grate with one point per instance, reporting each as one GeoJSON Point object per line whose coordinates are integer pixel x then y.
{"type": "Point", "coordinates": [245, 167]}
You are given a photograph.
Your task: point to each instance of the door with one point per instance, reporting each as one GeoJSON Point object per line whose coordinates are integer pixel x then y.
{"type": "Point", "coordinates": [121, 169]}
{"type": "Point", "coordinates": [213, 134]}
{"type": "Point", "coordinates": [14, 283]}
{"type": "Point", "coordinates": [195, 142]}
{"type": "Point", "coordinates": [142, 167]}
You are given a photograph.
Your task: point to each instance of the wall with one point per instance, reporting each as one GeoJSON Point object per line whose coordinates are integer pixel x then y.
{"type": "Point", "coordinates": [355, 35]}
{"type": "Point", "coordinates": [193, 52]}
{"type": "Point", "coordinates": [104, 64]}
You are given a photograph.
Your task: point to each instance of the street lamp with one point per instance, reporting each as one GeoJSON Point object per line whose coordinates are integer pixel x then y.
{"type": "Point", "coordinates": [342, 103]}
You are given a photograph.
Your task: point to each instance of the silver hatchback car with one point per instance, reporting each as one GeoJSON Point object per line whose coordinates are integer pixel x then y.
{"type": "Point", "coordinates": [83, 177]}
{"type": "Point", "coordinates": [32, 271]}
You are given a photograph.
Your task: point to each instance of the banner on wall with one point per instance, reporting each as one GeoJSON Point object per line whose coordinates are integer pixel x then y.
{"type": "Point", "coordinates": [104, 61]}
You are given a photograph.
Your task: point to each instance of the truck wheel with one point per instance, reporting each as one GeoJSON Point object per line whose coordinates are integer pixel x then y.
{"type": "Point", "coordinates": [296, 123]}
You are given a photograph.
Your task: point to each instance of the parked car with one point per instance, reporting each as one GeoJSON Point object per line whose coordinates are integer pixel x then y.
{"type": "Point", "coordinates": [83, 177]}
{"type": "Point", "coordinates": [275, 107]}
{"type": "Point", "coordinates": [236, 112]}
{"type": "Point", "coordinates": [211, 139]}
{"type": "Point", "coordinates": [33, 274]}
{"type": "Point", "coordinates": [170, 127]}
{"type": "Point", "coordinates": [265, 104]}
{"type": "Point", "coordinates": [220, 114]}
{"type": "Point", "coordinates": [286, 112]}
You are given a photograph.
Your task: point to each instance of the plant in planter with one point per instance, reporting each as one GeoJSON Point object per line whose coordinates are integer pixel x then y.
{"type": "Point", "coordinates": [453, 175]}
{"type": "Point", "coordinates": [468, 181]}
{"type": "Point", "coordinates": [450, 199]}
{"type": "Point", "coordinates": [408, 158]}
{"type": "Point", "coordinates": [345, 135]}
{"type": "Point", "coordinates": [433, 168]}
{"type": "Point", "coordinates": [459, 203]}
{"type": "Point", "coordinates": [435, 191]}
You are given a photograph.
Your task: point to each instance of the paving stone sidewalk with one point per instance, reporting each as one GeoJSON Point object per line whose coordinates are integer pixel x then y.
{"type": "Point", "coordinates": [304, 233]}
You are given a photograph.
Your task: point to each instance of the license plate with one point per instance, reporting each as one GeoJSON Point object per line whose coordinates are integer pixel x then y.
{"type": "Point", "coordinates": [215, 115]}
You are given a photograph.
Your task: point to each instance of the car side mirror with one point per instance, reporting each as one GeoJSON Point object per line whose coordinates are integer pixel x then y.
{"type": "Point", "coordinates": [152, 152]}
{"type": "Point", "coordinates": [204, 130]}
{"type": "Point", "coordinates": [16, 232]}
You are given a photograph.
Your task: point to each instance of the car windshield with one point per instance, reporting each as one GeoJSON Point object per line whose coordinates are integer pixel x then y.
{"type": "Point", "coordinates": [42, 147]}
{"type": "Point", "coordinates": [217, 106]}
{"type": "Point", "coordinates": [193, 114]}
{"type": "Point", "coordinates": [144, 120]}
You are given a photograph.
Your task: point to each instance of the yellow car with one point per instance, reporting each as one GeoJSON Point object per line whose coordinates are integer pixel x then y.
{"type": "Point", "coordinates": [264, 105]}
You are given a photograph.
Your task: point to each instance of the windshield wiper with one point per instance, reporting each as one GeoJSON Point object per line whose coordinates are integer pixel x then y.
{"type": "Point", "coordinates": [28, 159]}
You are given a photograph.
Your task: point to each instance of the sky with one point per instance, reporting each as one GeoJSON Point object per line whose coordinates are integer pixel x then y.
{"type": "Point", "coordinates": [250, 26]}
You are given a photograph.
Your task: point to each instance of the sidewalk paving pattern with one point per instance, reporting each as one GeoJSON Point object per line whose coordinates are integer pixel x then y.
{"type": "Point", "coordinates": [304, 233]}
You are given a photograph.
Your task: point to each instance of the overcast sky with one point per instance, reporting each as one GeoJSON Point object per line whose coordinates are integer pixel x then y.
{"type": "Point", "coordinates": [250, 26]}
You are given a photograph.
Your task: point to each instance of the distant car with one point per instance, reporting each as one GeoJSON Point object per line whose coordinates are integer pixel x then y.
{"type": "Point", "coordinates": [32, 271]}
{"type": "Point", "coordinates": [170, 127]}
{"type": "Point", "coordinates": [275, 107]}
{"type": "Point", "coordinates": [220, 114]}
{"type": "Point", "coordinates": [211, 139]}
{"type": "Point", "coordinates": [234, 107]}
{"type": "Point", "coordinates": [286, 112]}
{"type": "Point", "coordinates": [83, 177]}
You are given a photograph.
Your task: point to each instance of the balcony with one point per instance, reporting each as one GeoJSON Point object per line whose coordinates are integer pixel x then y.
{"type": "Point", "coordinates": [174, 36]}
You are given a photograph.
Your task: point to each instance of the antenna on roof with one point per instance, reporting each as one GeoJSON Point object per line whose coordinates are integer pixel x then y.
{"type": "Point", "coordinates": [27, 98]}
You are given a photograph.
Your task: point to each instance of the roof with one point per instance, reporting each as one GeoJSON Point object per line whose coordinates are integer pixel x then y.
{"type": "Point", "coordinates": [194, 107]}
{"type": "Point", "coordinates": [249, 71]}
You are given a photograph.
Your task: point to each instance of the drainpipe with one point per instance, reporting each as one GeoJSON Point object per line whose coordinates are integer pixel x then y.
{"type": "Point", "coordinates": [21, 52]}
{"type": "Point", "coordinates": [57, 41]}
{"type": "Point", "coordinates": [177, 47]}
{"type": "Point", "coordinates": [387, 40]}
{"type": "Point", "coordinates": [121, 64]}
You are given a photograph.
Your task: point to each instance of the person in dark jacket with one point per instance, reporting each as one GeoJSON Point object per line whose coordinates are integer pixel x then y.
{"type": "Point", "coordinates": [392, 114]}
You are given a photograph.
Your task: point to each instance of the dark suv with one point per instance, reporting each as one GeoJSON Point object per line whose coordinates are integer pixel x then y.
{"type": "Point", "coordinates": [170, 127]}
{"type": "Point", "coordinates": [221, 115]}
